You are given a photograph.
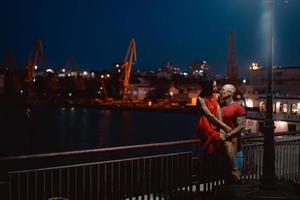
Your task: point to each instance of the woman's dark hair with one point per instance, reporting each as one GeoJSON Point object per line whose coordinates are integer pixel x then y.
{"type": "Point", "coordinates": [206, 82]}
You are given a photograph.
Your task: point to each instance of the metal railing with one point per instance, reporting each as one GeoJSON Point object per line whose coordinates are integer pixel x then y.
{"type": "Point", "coordinates": [287, 163]}
{"type": "Point", "coordinates": [159, 177]}
{"type": "Point", "coordinates": [177, 175]}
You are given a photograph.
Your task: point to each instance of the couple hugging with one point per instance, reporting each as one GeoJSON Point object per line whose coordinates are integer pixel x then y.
{"type": "Point", "coordinates": [220, 127]}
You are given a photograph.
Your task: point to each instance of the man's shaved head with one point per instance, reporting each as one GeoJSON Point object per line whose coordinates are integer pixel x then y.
{"type": "Point", "coordinates": [230, 88]}
{"type": "Point", "coordinates": [227, 91]}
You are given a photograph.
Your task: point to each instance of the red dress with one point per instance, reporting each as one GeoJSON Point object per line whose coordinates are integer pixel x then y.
{"type": "Point", "coordinates": [205, 130]}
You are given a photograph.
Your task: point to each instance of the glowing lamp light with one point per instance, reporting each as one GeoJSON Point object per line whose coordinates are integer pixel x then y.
{"type": "Point", "coordinates": [194, 101]}
{"type": "Point", "coordinates": [63, 70]}
{"type": "Point", "coordinates": [70, 94]}
{"type": "Point", "coordinates": [85, 73]}
{"type": "Point", "coordinates": [35, 67]}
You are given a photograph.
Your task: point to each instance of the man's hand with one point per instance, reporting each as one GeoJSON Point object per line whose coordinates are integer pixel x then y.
{"type": "Point", "coordinates": [222, 135]}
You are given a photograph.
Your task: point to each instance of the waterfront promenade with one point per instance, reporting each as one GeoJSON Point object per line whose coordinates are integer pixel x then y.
{"type": "Point", "coordinates": [160, 174]}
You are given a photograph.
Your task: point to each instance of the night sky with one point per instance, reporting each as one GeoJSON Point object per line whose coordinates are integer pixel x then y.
{"type": "Point", "coordinates": [96, 33]}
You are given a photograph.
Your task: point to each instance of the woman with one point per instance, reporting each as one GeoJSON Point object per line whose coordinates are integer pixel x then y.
{"type": "Point", "coordinates": [210, 116]}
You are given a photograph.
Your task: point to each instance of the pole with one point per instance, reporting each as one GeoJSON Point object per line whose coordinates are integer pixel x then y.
{"type": "Point", "coordinates": [268, 177]}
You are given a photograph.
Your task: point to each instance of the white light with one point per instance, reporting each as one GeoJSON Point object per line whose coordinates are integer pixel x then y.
{"type": "Point", "coordinates": [63, 70]}
{"type": "Point", "coordinates": [49, 70]}
{"type": "Point", "coordinates": [277, 106]}
{"type": "Point", "coordinates": [119, 70]}
{"type": "Point", "coordinates": [93, 74]}
{"type": "Point", "coordinates": [249, 103]}
{"type": "Point", "coordinates": [33, 79]}
{"type": "Point", "coordinates": [171, 93]}
{"type": "Point", "coordinates": [101, 88]}
{"type": "Point", "coordinates": [35, 67]}
{"type": "Point", "coordinates": [69, 75]}
{"type": "Point", "coordinates": [107, 75]}
{"type": "Point", "coordinates": [21, 91]}
{"type": "Point", "coordinates": [117, 65]}
{"type": "Point", "coordinates": [185, 73]}
{"type": "Point", "coordinates": [244, 81]}
{"type": "Point", "coordinates": [85, 73]}
{"type": "Point", "coordinates": [102, 76]}
{"type": "Point", "coordinates": [70, 94]}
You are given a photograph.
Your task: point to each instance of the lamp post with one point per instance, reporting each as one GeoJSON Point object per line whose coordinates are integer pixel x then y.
{"type": "Point", "coordinates": [268, 178]}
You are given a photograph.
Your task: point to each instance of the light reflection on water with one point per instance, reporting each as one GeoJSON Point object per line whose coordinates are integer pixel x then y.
{"type": "Point", "coordinates": [52, 130]}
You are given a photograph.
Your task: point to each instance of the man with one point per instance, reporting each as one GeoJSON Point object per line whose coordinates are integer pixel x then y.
{"type": "Point", "coordinates": [233, 115]}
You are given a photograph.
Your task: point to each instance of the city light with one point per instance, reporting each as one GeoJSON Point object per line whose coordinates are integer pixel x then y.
{"type": "Point", "coordinates": [49, 70]}
{"type": "Point", "coordinates": [254, 66]}
{"type": "Point", "coordinates": [35, 67]}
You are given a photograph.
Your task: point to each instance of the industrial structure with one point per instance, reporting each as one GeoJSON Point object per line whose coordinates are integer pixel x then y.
{"type": "Point", "coordinates": [31, 64]}
{"type": "Point", "coordinates": [130, 58]}
{"type": "Point", "coordinates": [232, 70]}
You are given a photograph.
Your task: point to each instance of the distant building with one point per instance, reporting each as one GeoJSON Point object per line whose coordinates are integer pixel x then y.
{"type": "Point", "coordinates": [170, 68]}
{"type": "Point", "coordinates": [138, 92]}
{"type": "Point", "coordinates": [198, 68]}
{"type": "Point", "coordinates": [286, 97]}
{"type": "Point", "coordinates": [285, 82]}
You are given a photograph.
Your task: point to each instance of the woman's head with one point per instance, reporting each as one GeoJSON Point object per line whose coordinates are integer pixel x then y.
{"type": "Point", "coordinates": [208, 85]}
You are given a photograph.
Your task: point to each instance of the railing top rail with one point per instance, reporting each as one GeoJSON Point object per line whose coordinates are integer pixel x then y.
{"type": "Point", "coordinates": [127, 148]}
{"type": "Point", "coordinates": [103, 150]}
{"type": "Point", "coordinates": [96, 163]}
{"type": "Point", "coordinates": [253, 136]}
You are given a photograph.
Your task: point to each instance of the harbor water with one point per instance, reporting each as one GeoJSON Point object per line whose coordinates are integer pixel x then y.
{"type": "Point", "coordinates": [44, 130]}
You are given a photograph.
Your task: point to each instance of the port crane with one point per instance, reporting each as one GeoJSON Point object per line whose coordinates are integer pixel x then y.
{"type": "Point", "coordinates": [126, 66]}
{"type": "Point", "coordinates": [32, 62]}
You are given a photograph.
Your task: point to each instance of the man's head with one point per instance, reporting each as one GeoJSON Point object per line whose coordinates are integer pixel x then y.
{"type": "Point", "coordinates": [227, 91]}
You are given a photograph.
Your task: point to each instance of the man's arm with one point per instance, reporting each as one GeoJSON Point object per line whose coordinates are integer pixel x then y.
{"type": "Point", "coordinates": [241, 124]}
{"type": "Point", "coordinates": [211, 117]}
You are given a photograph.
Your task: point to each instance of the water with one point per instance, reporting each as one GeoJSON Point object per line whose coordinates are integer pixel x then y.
{"type": "Point", "coordinates": [63, 129]}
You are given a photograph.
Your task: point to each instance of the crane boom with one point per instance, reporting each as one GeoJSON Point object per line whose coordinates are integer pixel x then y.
{"type": "Point", "coordinates": [128, 61]}
{"type": "Point", "coordinates": [38, 54]}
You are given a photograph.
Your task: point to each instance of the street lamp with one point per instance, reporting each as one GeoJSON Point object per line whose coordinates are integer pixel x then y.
{"type": "Point", "coordinates": [268, 177]}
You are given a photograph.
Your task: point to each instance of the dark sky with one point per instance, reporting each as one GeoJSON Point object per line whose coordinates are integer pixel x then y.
{"type": "Point", "coordinates": [96, 33]}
